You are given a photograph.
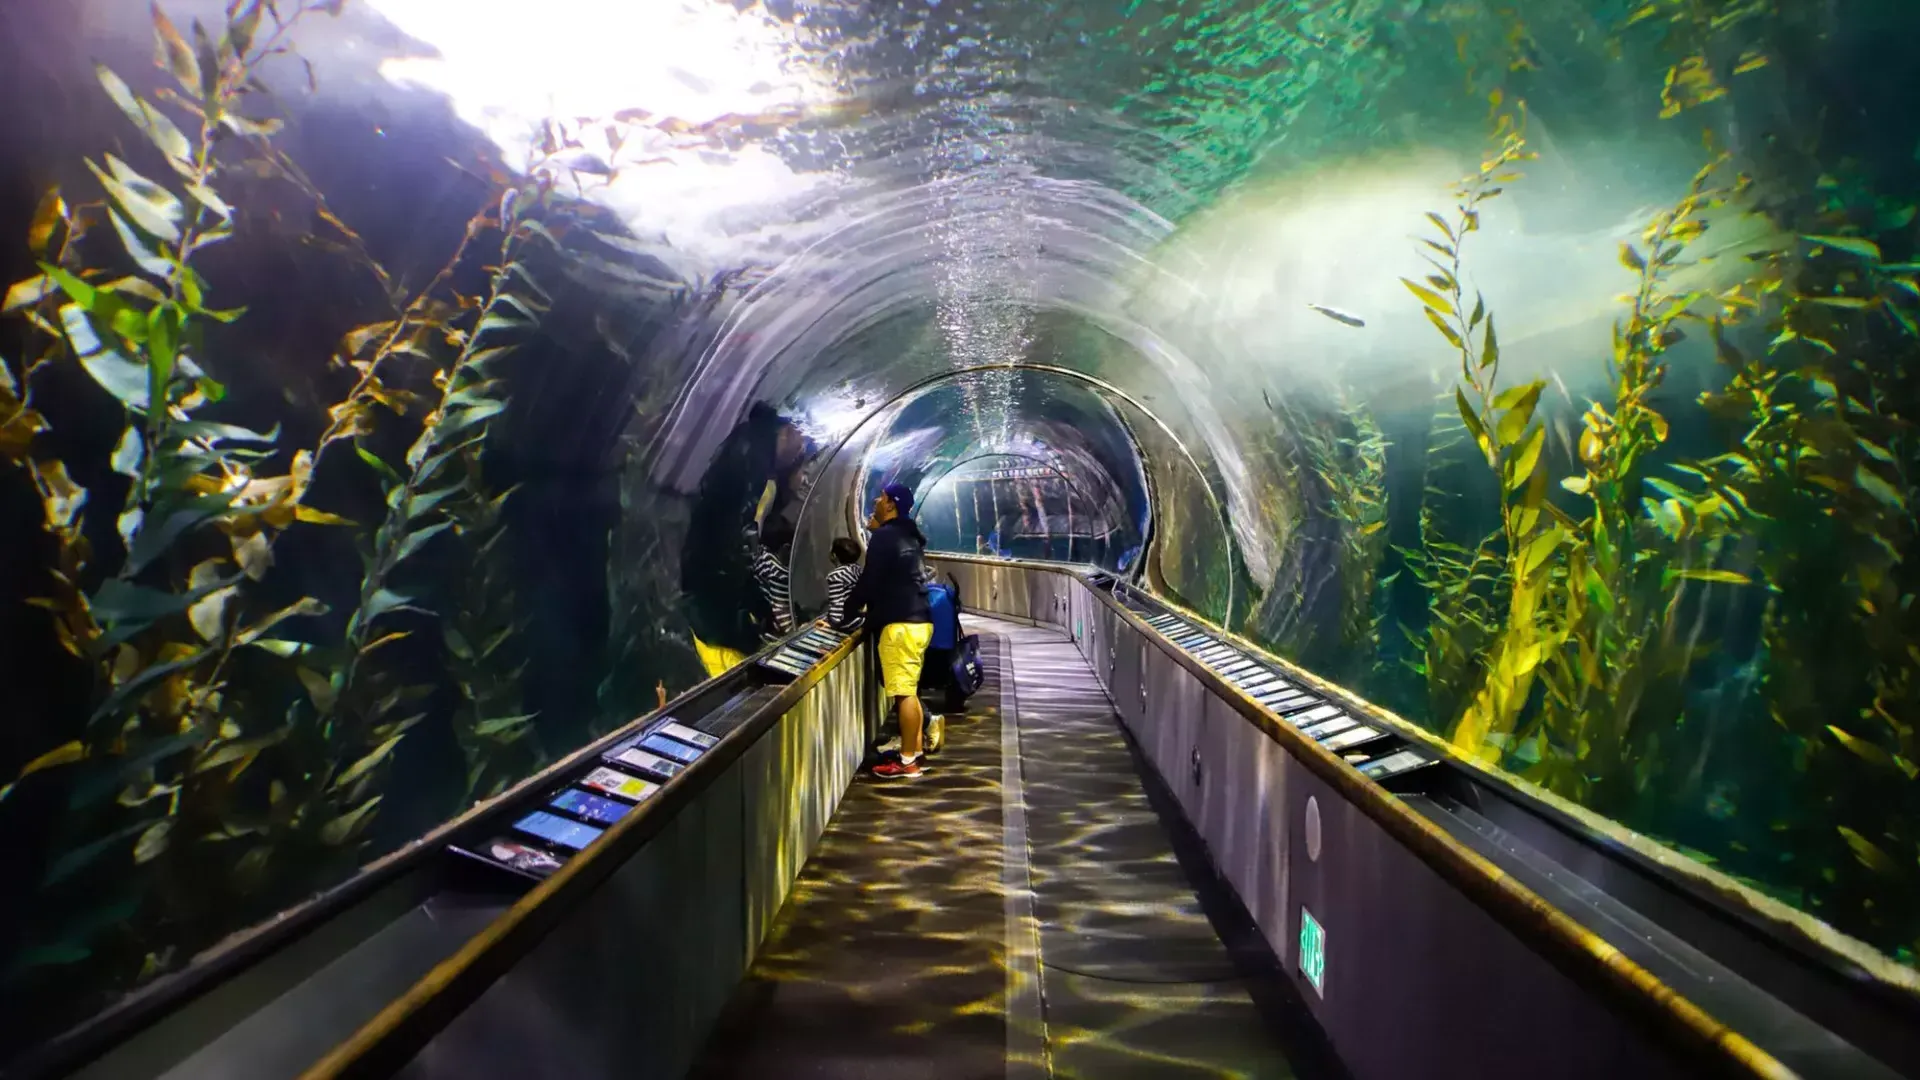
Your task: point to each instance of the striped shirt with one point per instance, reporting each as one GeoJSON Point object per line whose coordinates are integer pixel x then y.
{"type": "Point", "coordinates": [775, 584]}
{"type": "Point", "coordinates": [840, 583]}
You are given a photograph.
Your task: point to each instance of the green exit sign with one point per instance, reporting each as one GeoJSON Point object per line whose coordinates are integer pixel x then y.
{"type": "Point", "coordinates": [1313, 952]}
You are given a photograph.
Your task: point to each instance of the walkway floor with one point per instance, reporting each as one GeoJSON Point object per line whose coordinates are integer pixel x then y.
{"type": "Point", "coordinates": [1019, 911]}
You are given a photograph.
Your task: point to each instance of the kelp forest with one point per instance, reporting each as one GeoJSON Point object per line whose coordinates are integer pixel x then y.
{"type": "Point", "coordinates": [1690, 612]}
{"type": "Point", "coordinates": [215, 738]}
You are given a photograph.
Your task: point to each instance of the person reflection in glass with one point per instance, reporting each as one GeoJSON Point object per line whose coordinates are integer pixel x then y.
{"type": "Point", "coordinates": [749, 481]}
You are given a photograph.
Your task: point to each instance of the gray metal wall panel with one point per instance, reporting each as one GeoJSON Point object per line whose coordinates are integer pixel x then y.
{"type": "Point", "coordinates": [761, 783]}
{"type": "Point", "coordinates": [1175, 702]}
{"type": "Point", "coordinates": [1408, 952]}
{"type": "Point", "coordinates": [1239, 803]}
{"type": "Point", "coordinates": [631, 984]}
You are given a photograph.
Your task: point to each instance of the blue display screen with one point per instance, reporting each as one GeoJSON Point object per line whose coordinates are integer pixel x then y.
{"type": "Point", "coordinates": [660, 744]}
{"type": "Point", "coordinates": [590, 806]}
{"type": "Point", "coordinates": [558, 830]}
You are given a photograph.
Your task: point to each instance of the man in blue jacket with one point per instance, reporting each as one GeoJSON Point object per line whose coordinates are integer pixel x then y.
{"type": "Point", "coordinates": [893, 593]}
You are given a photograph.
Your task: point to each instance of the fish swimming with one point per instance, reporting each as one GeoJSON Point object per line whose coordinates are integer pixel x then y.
{"type": "Point", "coordinates": [1339, 316]}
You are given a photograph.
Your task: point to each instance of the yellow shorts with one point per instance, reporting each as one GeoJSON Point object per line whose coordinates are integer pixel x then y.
{"type": "Point", "coordinates": [718, 659]}
{"type": "Point", "coordinates": [903, 647]}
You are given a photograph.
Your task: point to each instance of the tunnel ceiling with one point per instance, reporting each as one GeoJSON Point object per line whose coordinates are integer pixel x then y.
{"type": "Point", "coordinates": [826, 203]}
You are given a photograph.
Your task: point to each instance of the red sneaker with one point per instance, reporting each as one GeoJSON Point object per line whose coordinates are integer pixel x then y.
{"type": "Point", "coordinates": [895, 769]}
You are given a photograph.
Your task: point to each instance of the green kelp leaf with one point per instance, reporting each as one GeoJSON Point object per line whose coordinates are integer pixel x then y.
{"type": "Point", "coordinates": [417, 540]}
{"type": "Point", "coordinates": [243, 21]}
{"type": "Point", "coordinates": [1632, 259]}
{"type": "Point", "coordinates": [243, 125]}
{"type": "Point", "coordinates": [1472, 420]}
{"type": "Point", "coordinates": [420, 504]}
{"type": "Point", "coordinates": [1852, 245]}
{"type": "Point", "coordinates": [105, 777]}
{"type": "Point", "coordinates": [1519, 403]}
{"type": "Point", "coordinates": [311, 516]}
{"type": "Point", "coordinates": [1868, 852]}
{"type": "Point", "coordinates": [1540, 549]}
{"type": "Point", "coordinates": [206, 197]}
{"type": "Point", "coordinates": [502, 724]}
{"type": "Point", "coordinates": [64, 754]}
{"type": "Point", "coordinates": [124, 610]}
{"type": "Point", "coordinates": [147, 204]}
{"type": "Point", "coordinates": [163, 348]}
{"type": "Point", "coordinates": [1526, 458]}
{"type": "Point", "coordinates": [319, 688]}
{"type": "Point", "coordinates": [519, 269]}
{"type": "Point", "coordinates": [47, 216]}
{"type": "Point", "coordinates": [495, 322]}
{"type": "Point", "coordinates": [1865, 750]}
{"type": "Point", "coordinates": [1724, 577]}
{"type": "Point", "coordinates": [64, 498]}
{"type": "Point", "coordinates": [128, 453]}
{"type": "Point", "coordinates": [163, 528]}
{"type": "Point", "coordinates": [26, 293]}
{"type": "Point", "coordinates": [172, 52]}
{"type": "Point", "coordinates": [1446, 331]}
{"type": "Point", "coordinates": [472, 391]}
{"type": "Point", "coordinates": [520, 304]}
{"type": "Point", "coordinates": [1849, 303]}
{"type": "Point", "coordinates": [1874, 450]}
{"type": "Point", "coordinates": [373, 461]}
{"type": "Point", "coordinates": [1871, 483]}
{"type": "Point", "coordinates": [304, 606]}
{"type": "Point", "coordinates": [117, 374]}
{"type": "Point", "coordinates": [387, 602]}
{"type": "Point", "coordinates": [1597, 592]}
{"type": "Point", "coordinates": [285, 650]}
{"type": "Point", "coordinates": [153, 842]}
{"type": "Point", "coordinates": [133, 688]}
{"type": "Point", "coordinates": [341, 829]}
{"type": "Point", "coordinates": [160, 130]}
{"type": "Point", "coordinates": [218, 434]}
{"type": "Point", "coordinates": [1490, 347]}
{"type": "Point", "coordinates": [143, 253]}
{"type": "Point", "coordinates": [240, 750]}
{"type": "Point", "coordinates": [481, 363]}
{"type": "Point", "coordinates": [1429, 297]}
{"type": "Point", "coordinates": [466, 418]}
{"type": "Point", "coordinates": [366, 764]}
{"type": "Point", "coordinates": [541, 231]}
{"type": "Point", "coordinates": [208, 616]}
{"type": "Point", "coordinates": [77, 290]}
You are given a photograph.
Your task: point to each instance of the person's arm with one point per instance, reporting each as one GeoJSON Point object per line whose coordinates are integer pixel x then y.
{"type": "Point", "coordinates": [781, 595]}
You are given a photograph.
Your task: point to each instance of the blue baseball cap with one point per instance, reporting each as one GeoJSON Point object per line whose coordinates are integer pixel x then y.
{"type": "Point", "coordinates": [901, 496]}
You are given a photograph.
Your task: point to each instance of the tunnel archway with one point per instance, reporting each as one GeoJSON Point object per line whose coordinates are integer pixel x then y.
{"type": "Point", "coordinates": [1178, 526]}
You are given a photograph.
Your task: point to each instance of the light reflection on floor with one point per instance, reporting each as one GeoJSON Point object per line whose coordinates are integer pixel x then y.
{"type": "Point", "coordinates": [889, 958]}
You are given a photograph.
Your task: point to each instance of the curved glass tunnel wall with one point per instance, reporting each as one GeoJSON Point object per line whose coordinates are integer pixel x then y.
{"type": "Point", "coordinates": [1663, 573]}
{"type": "Point", "coordinates": [933, 436]}
{"type": "Point", "coordinates": [949, 436]}
{"type": "Point", "coordinates": [1021, 506]}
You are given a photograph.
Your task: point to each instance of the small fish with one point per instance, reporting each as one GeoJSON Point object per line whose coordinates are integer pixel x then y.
{"type": "Point", "coordinates": [1339, 316]}
{"type": "Point", "coordinates": [1268, 398]}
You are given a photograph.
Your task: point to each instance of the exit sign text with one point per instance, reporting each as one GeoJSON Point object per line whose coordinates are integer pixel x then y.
{"type": "Point", "coordinates": [1313, 952]}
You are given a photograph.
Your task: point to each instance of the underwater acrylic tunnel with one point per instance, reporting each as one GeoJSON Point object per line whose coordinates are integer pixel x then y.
{"type": "Point", "coordinates": [392, 393]}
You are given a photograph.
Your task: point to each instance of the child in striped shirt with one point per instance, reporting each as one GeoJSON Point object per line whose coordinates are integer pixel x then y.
{"type": "Point", "coordinates": [770, 570]}
{"type": "Point", "coordinates": [840, 582]}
